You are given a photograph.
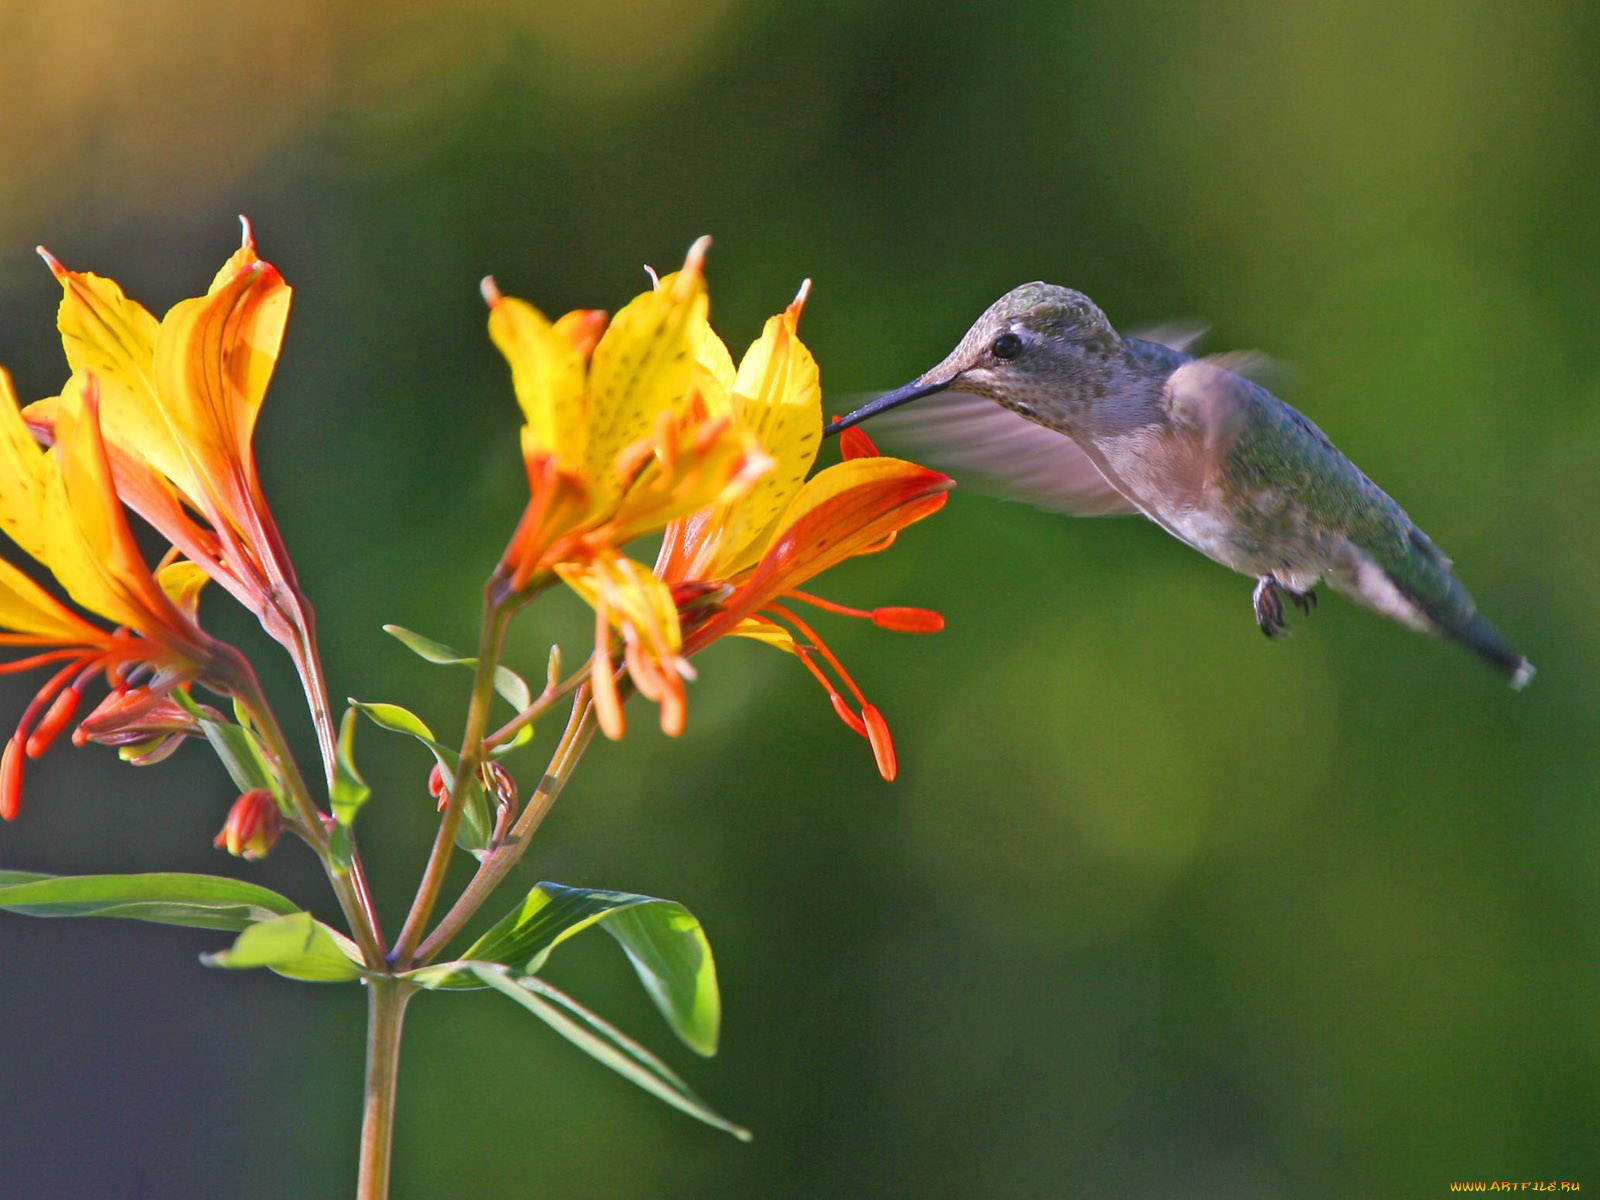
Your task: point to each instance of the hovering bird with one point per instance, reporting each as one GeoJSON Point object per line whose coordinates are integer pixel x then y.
{"type": "Point", "coordinates": [1043, 400]}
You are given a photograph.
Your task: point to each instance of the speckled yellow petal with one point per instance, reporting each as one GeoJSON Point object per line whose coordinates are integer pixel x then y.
{"type": "Point", "coordinates": [643, 366]}
{"type": "Point", "coordinates": [777, 396]}
{"type": "Point", "coordinates": [713, 368]}
{"type": "Point", "coordinates": [547, 373]}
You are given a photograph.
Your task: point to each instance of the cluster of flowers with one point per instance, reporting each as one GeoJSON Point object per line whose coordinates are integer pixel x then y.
{"type": "Point", "coordinates": [634, 426]}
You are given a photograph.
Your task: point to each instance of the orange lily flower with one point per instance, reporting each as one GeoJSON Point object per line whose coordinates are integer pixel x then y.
{"type": "Point", "coordinates": [60, 506]}
{"type": "Point", "coordinates": [724, 569]}
{"type": "Point", "coordinates": [179, 399]}
{"type": "Point", "coordinates": [618, 439]}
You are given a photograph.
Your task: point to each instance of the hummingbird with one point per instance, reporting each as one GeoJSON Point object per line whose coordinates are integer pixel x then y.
{"type": "Point", "coordinates": [1043, 400]}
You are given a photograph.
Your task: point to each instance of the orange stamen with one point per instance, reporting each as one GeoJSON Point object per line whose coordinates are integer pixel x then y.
{"type": "Point", "coordinates": [821, 648]}
{"type": "Point", "coordinates": [907, 620]}
{"type": "Point", "coordinates": [54, 721]}
{"type": "Point", "coordinates": [10, 780]}
{"type": "Point", "coordinates": [882, 744]}
{"type": "Point", "coordinates": [846, 713]}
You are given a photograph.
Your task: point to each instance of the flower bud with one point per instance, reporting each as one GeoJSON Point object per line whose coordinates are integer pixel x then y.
{"type": "Point", "coordinates": [253, 825]}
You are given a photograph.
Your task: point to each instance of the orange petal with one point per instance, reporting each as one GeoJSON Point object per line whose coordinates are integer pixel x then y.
{"type": "Point", "coordinates": [839, 513]}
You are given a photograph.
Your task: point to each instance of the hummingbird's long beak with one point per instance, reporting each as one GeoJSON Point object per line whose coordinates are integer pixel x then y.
{"type": "Point", "coordinates": [914, 390]}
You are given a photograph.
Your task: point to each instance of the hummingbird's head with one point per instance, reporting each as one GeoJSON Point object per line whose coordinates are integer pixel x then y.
{"type": "Point", "coordinates": [1039, 349]}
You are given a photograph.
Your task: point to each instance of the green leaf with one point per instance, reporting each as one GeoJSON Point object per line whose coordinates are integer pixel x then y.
{"type": "Point", "coordinates": [235, 745]}
{"type": "Point", "coordinates": [199, 901]}
{"type": "Point", "coordinates": [662, 939]}
{"type": "Point", "coordinates": [347, 794]}
{"type": "Point", "coordinates": [512, 687]}
{"type": "Point", "coordinates": [401, 720]}
{"type": "Point", "coordinates": [297, 946]}
{"type": "Point", "coordinates": [601, 1041]}
{"type": "Point", "coordinates": [475, 820]}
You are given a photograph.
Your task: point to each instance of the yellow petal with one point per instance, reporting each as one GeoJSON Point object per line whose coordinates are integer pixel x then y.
{"type": "Point", "coordinates": [105, 333]}
{"type": "Point", "coordinates": [713, 368]}
{"type": "Point", "coordinates": [182, 581]}
{"type": "Point", "coordinates": [643, 366]}
{"type": "Point", "coordinates": [21, 471]}
{"type": "Point", "coordinates": [26, 609]}
{"type": "Point", "coordinates": [547, 373]}
{"type": "Point", "coordinates": [777, 395]}
{"type": "Point", "coordinates": [765, 632]}
{"type": "Point", "coordinates": [91, 549]}
{"type": "Point", "coordinates": [214, 357]}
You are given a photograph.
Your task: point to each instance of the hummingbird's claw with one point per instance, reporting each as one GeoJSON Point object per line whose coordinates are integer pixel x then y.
{"type": "Point", "coordinates": [1268, 603]}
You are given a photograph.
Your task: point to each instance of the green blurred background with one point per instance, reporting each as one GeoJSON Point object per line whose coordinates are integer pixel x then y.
{"type": "Point", "coordinates": [1157, 908]}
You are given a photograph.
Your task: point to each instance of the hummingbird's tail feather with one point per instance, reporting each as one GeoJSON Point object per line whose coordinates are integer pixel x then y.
{"type": "Point", "coordinates": [1453, 616]}
{"type": "Point", "coordinates": [1420, 591]}
{"type": "Point", "coordinates": [1488, 642]}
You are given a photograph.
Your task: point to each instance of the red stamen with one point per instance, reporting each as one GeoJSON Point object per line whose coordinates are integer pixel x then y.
{"type": "Point", "coordinates": [882, 744]}
{"type": "Point", "coordinates": [846, 713]}
{"type": "Point", "coordinates": [10, 780]}
{"type": "Point", "coordinates": [896, 619]}
{"type": "Point", "coordinates": [39, 660]}
{"type": "Point", "coordinates": [908, 620]}
{"type": "Point", "coordinates": [821, 648]}
{"type": "Point", "coordinates": [54, 721]}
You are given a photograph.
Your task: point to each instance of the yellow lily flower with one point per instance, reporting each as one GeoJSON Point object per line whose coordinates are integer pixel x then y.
{"type": "Point", "coordinates": [723, 569]}
{"type": "Point", "coordinates": [619, 438]}
{"type": "Point", "coordinates": [179, 398]}
{"type": "Point", "coordinates": [60, 506]}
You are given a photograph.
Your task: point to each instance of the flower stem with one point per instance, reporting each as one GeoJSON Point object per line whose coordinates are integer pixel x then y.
{"type": "Point", "coordinates": [386, 1010]}
{"type": "Point", "coordinates": [497, 614]}
{"type": "Point", "coordinates": [353, 900]}
{"type": "Point", "coordinates": [502, 857]}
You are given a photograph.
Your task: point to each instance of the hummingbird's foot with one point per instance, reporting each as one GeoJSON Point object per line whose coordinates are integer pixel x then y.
{"type": "Point", "coordinates": [1268, 602]}
{"type": "Point", "coordinates": [1305, 601]}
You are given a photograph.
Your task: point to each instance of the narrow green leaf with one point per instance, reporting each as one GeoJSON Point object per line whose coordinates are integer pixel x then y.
{"type": "Point", "coordinates": [347, 794]}
{"type": "Point", "coordinates": [475, 819]}
{"type": "Point", "coordinates": [234, 745]}
{"type": "Point", "coordinates": [398, 720]}
{"type": "Point", "coordinates": [670, 952]}
{"type": "Point", "coordinates": [198, 901]}
{"type": "Point", "coordinates": [603, 1042]}
{"type": "Point", "coordinates": [7, 878]}
{"type": "Point", "coordinates": [512, 687]}
{"type": "Point", "coordinates": [662, 939]}
{"type": "Point", "coordinates": [297, 946]}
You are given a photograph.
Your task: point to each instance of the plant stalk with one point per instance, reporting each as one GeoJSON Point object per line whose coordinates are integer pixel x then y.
{"type": "Point", "coordinates": [502, 857]}
{"type": "Point", "coordinates": [497, 615]}
{"type": "Point", "coordinates": [386, 1010]}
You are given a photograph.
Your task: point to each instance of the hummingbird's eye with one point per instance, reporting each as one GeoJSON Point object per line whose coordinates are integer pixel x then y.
{"type": "Point", "coordinates": [1007, 345]}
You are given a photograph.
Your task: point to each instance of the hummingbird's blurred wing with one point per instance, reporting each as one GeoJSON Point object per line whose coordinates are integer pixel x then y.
{"type": "Point", "coordinates": [999, 453]}
{"type": "Point", "coordinates": [1177, 335]}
